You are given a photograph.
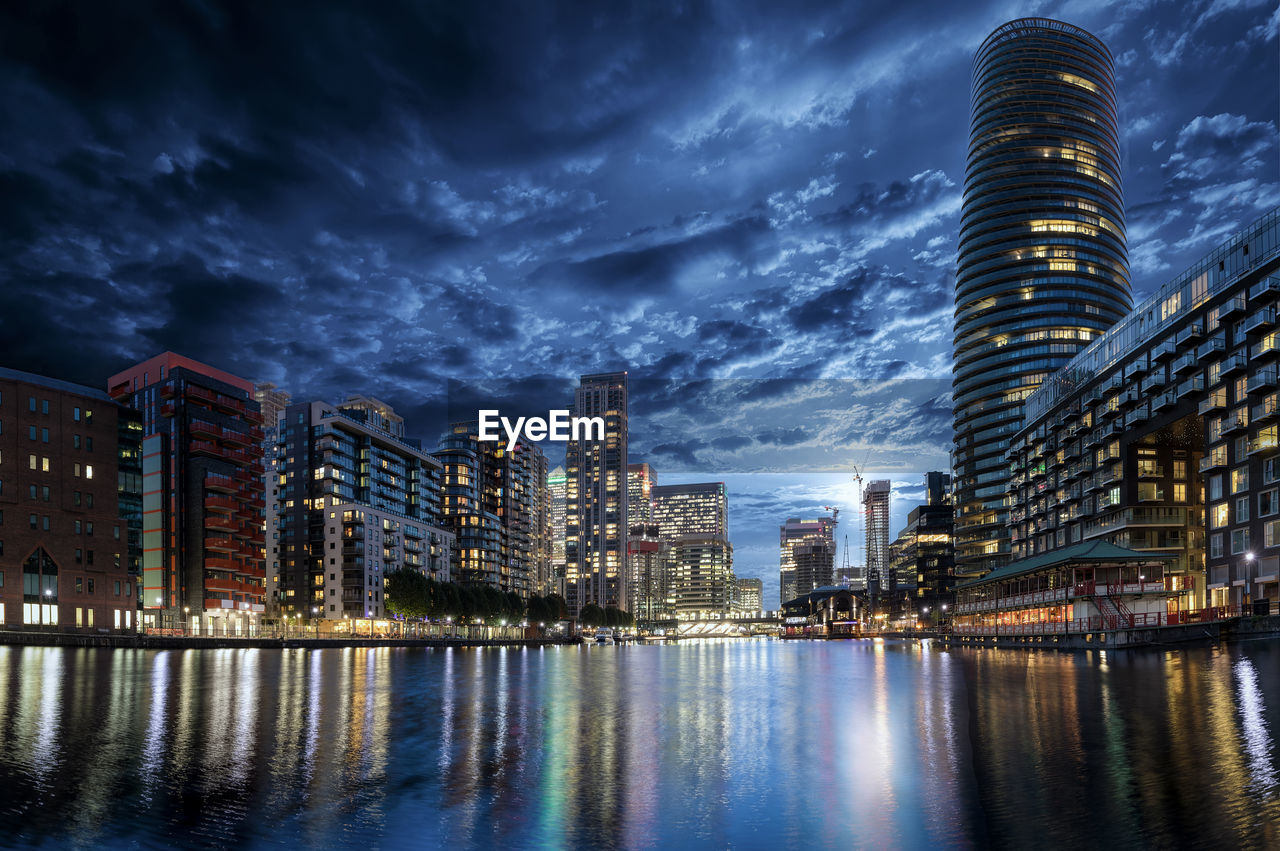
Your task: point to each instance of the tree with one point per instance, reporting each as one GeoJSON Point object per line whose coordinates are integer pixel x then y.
{"type": "Point", "coordinates": [557, 608]}
{"type": "Point", "coordinates": [406, 594]}
{"type": "Point", "coordinates": [537, 610]}
{"type": "Point", "coordinates": [592, 615]}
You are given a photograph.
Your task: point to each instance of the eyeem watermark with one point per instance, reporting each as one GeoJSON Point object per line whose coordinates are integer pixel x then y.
{"type": "Point", "coordinates": [558, 426]}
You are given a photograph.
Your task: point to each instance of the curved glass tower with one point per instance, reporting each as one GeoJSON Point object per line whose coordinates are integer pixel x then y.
{"type": "Point", "coordinates": [1043, 267]}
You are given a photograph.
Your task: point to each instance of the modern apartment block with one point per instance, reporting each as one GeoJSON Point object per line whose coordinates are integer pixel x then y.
{"type": "Point", "coordinates": [70, 506]}
{"type": "Point", "coordinates": [876, 500]}
{"type": "Point", "coordinates": [271, 404]}
{"type": "Point", "coordinates": [1043, 263]}
{"type": "Point", "coordinates": [1163, 435]}
{"type": "Point", "coordinates": [640, 481]}
{"type": "Point", "coordinates": [922, 557]}
{"type": "Point", "coordinates": [596, 518]}
{"type": "Point", "coordinates": [795, 533]}
{"type": "Point", "coordinates": [650, 558]}
{"type": "Point", "coordinates": [202, 492]}
{"type": "Point", "coordinates": [750, 596]}
{"type": "Point", "coordinates": [694, 518]}
{"type": "Point", "coordinates": [495, 500]}
{"type": "Point", "coordinates": [352, 501]}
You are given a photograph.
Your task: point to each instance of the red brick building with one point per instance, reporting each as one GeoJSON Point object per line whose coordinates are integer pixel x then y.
{"type": "Point", "coordinates": [70, 506]}
{"type": "Point", "coordinates": [203, 563]}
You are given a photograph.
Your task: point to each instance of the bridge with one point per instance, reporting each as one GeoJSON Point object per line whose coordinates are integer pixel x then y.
{"type": "Point", "coordinates": [721, 626]}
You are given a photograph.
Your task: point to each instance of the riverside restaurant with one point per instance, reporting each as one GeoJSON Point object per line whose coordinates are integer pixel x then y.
{"type": "Point", "coordinates": [1083, 588]}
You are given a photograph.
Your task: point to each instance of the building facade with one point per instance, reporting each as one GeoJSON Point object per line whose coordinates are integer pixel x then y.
{"type": "Point", "coordinates": [203, 563]}
{"type": "Point", "coordinates": [1163, 436]}
{"type": "Point", "coordinates": [876, 502]}
{"type": "Point", "coordinates": [923, 555]}
{"type": "Point", "coordinates": [70, 506]}
{"type": "Point", "coordinates": [596, 518]}
{"type": "Point", "coordinates": [640, 481]}
{"type": "Point", "coordinates": [650, 555]}
{"type": "Point", "coordinates": [750, 597]}
{"type": "Point", "coordinates": [694, 518]}
{"type": "Point", "coordinates": [556, 501]}
{"type": "Point", "coordinates": [1043, 265]}
{"type": "Point", "coordinates": [351, 503]}
{"type": "Point", "coordinates": [796, 532]}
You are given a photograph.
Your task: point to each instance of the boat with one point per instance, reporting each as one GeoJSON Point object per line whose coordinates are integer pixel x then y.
{"type": "Point", "coordinates": [604, 635]}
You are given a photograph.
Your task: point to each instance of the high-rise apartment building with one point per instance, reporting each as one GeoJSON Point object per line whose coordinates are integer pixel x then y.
{"type": "Point", "coordinates": [819, 566]}
{"type": "Point", "coordinates": [596, 519]}
{"type": "Point", "coordinates": [271, 404]}
{"type": "Point", "coordinates": [70, 506]}
{"type": "Point", "coordinates": [351, 502]}
{"type": "Point", "coordinates": [495, 500]}
{"type": "Point", "coordinates": [556, 497]}
{"type": "Point", "coordinates": [203, 563]}
{"type": "Point", "coordinates": [694, 518]}
{"type": "Point", "coordinates": [650, 557]}
{"type": "Point", "coordinates": [1043, 266]}
{"type": "Point", "coordinates": [876, 499]}
{"type": "Point", "coordinates": [640, 481]}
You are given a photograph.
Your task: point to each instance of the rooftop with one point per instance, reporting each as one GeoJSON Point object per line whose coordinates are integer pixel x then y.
{"type": "Point", "coordinates": [1090, 552]}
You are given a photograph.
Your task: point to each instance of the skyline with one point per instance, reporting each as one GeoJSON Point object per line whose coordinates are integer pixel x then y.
{"type": "Point", "coordinates": [737, 194]}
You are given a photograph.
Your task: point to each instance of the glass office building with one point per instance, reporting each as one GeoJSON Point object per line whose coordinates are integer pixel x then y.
{"type": "Point", "coordinates": [1043, 264]}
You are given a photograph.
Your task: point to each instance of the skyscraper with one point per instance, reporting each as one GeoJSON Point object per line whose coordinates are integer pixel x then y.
{"type": "Point", "coordinates": [694, 518]}
{"type": "Point", "coordinates": [640, 481]}
{"type": "Point", "coordinates": [923, 556]}
{"type": "Point", "coordinates": [596, 520]}
{"type": "Point", "coordinates": [875, 509]}
{"type": "Point", "coordinates": [819, 565]}
{"type": "Point", "coordinates": [556, 494]}
{"type": "Point", "coordinates": [1043, 265]}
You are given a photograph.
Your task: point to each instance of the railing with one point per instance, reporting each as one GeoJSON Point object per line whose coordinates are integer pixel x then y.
{"type": "Point", "coordinates": [1101, 623]}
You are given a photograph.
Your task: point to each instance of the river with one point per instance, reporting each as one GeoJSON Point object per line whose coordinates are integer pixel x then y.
{"type": "Point", "coordinates": [747, 743]}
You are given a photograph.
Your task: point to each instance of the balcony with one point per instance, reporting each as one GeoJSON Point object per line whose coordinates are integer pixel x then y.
{"type": "Point", "coordinates": [1232, 307]}
{"type": "Point", "coordinates": [1150, 494]}
{"type": "Point", "coordinates": [1235, 422]}
{"type": "Point", "coordinates": [1185, 363]}
{"type": "Point", "coordinates": [1191, 387]}
{"type": "Point", "coordinates": [1150, 471]}
{"type": "Point", "coordinates": [1234, 364]}
{"type": "Point", "coordinates": [1111, 475]}
{"type": "Point", "coordinates": [1214, 460]}
{"type": "Point", "coordinates": [1263, 379]}
{"type": "Point", "coordinates": [221, 544]}
{"type": "Point", "coordinates": [1138, 367]}
{"type": "Point", "coordinates": [1153, 381]}
{"type": "Point", "coordinates": [1211, 349]}
{"type": "Point", "coordinates": [223, 484]}
{"type": "Point", "coordinates": [1263, 445]}
{"type": "Point", "coordinates": [1137, 415]}
{"type": "Point", "coordinates": [1216, 401]}
{"type": "Point", "coordinates": [1132, 396]}
{"type": "Point", "coordinates": [1259, 319]}
{"type": "Point", "coordinates": [1266, 289]}
{"type": "Point", "coordinates": [1264, 410]}
{"type": "Point", "coordinates": [1115, 382]}
{"type": "Point", "coordinates": [1194, 331]}
{"type": "Point", "coordinates": [1266, 348]}
{"type": "Point", "coordinates": [1164, 400]}
{"type": "Point", "coordinates": [1164, 351]}
{"type": "Point", "coordinates": [220, 503]}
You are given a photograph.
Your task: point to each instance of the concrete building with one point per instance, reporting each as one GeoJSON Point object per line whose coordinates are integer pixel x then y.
{"type": "Point", "coordinates": [876, 500]}
{"type": "Point", "coordinates": [796, 532]}
{"type": "Point", "coordinates": [1043, 266]}
{"type": "Point", "coordinates": [271, 404]}
{"type": "Point", "coordinates": [71, 487]}
{"type": "Point", "coordinates": [203, 564]}
{"type": "Point", "coordinates": [351, 502]}
{"type": "Point", "coordinates": [651, 561]}
{"type": "Point", "coordinates": [923, 555]}
{"type": "Point", "coordinates": [1162, 436]}
{"type": "Point", "coordinates": [750, 596]}
{"type": "Point", "coordinates": [596, 518]}
{"type": "Point", "coordinates": [495, 501]}
{"type": "Point", "coordinates": [694, 518]}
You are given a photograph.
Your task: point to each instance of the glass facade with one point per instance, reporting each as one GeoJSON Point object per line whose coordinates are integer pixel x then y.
{"type": "Point", "coordinates": [1043, 265]}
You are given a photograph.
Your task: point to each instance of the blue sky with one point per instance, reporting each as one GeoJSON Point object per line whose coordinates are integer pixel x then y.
{"type": "Point", "coordinates": [759, 195]}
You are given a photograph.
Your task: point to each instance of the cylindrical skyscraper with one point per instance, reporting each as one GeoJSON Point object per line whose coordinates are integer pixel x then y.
{"type": "Point", "coordinates": [1043, 266]}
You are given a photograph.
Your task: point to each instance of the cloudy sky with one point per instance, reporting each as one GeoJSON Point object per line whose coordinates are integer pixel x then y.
{"type": "Point", "coordinates": [758, 198]}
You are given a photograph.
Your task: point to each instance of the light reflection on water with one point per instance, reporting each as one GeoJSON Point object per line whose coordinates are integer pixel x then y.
{"type": "Point", "coordinates": [747, 743]}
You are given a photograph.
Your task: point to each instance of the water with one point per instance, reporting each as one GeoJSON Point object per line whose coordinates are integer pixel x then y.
{"type": "Point", "coordinates": [746, 743]}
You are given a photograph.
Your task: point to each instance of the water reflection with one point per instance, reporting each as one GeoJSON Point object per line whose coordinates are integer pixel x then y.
{"type": "Point", "coordinates": [740, 743]}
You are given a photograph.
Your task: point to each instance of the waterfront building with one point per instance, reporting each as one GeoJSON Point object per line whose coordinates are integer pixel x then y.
{"type": "Point", "coordinates": [202, 492]}
{"type": "Point", "coordinates": [796, 532]}
{"type": "Point", "coordinates": [1042, 267]}
{"type": "Point", "coordinates": [829, 612]}
{"type": "Point", "coordinates": [876, 500]}
{"type": "Point", "coordinates": [596, 518]}
{"type": "Point", "coordinates": [271, 404]}
{"type": "Point", "coordinates": [694, 518]}
{"type": "Point", "coordinates": [556, 496]}
{"type": "Point", "coordinates": [495, 501]}
{"type": "Point", "coordinates": [70, 506]}
{"type": "Point", "coordinates": [1163, 435]}
{"type": "Point", "coordinates": [814, 565]}
{"type": "Point", "coordinates": [640, 481]}
{"type": "Point", "coordinates": [1083, 589]}
{"type": "Point", "coordinates": [922, 557]}
{"type": "Point", "coordinates": [750, 596]}
{"type": "Point", "coordinates": [352, 501]}
{"type": "Point", "coordinates": [650, 556]}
